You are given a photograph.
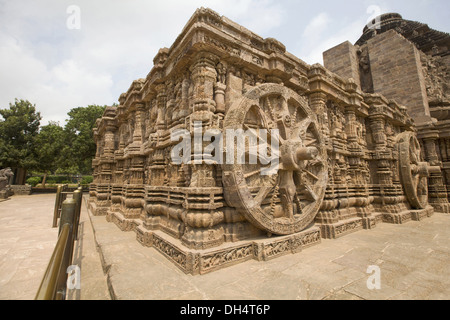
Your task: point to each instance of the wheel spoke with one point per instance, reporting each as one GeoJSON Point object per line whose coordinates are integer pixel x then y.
{"type": "Point", "coordinates": [304, 124]}
{"type": "Point", "coordinates": [311, 174]}
{"type": "Point", "coordinates": [255, 172]}
{"type": "Point", "coordinates": [310, 142]}
{"type": "Point", "coordinates": [284, 106]}
{"type": "Point", "coordinates": [309, 193]}
{"type": "Point", "coordinates": [284, 131]}
{"type": "Point", "coordinates": [300, 129]}
{"type": "Point", "coordinates": [264, 191]}
{"type": "Point", "coordinates": [270, 107]}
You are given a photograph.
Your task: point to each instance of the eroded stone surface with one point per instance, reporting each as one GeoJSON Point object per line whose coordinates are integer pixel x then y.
{"type": "Point", "coordinates": [5, 188]}
{"type": "Point", "coordinates": [348, 158]}
{"type": "Point", "coordinates": [413, 260]}
{"type": "Point", "coordinates": [409, 62]}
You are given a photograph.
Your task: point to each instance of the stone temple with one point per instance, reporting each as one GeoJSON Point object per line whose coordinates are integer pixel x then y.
{"type": "Point", "coordinates": [362, 140]}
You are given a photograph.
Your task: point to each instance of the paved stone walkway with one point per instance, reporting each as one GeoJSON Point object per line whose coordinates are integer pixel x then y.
{"type": "Point", "coordinates": [413, 260]}
{"type": "Point", "coordinates": [86, 256]}
{"type": "Point", "coordinates": [27, 240]}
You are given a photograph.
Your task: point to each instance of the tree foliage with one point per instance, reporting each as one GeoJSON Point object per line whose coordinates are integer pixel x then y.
{"type": "Point", "coordinates": [79, 149]}
{"type": "Point", "coordinates": [18, 130]}
{"type": "Point", "coordinates": [52, 149]}
{"type": "Point", "coordinates": [49, 143]}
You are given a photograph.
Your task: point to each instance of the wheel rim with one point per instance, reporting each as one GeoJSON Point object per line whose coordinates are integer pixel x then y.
{"type": "Point", "coordinates": [413, 171]}
{"type": "Point", "coordinates": [288, 200]}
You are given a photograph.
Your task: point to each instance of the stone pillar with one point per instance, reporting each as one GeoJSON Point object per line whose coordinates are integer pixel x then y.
{"type": "Point", "coordinates": [107, 158]}
{"type": "Point", "coordinates": [106, 130]}
{"type": "Point", "coordinates": [350, 128]}
{"type": "Point", "coordinates": [185, 84]}
{"type": "Point", "coordinates": [156, 166]}
{"type": "Point", "coordinates": [97, 156]}
{"type": "Point", "coordinates": [139, 121]}
{"type": "Point", "coordinates": [429, 142]}
{"type": "Point", "coordinates": [204, 75]}
{"type": "Point", "coordinates": [134, 191]}
{"type": "Point", "coordinates": [109, 140]}
{"type": "Point", "coordinates": [384, 173]}
{"type": "Point", "coordinates": [136, 154]}
{"type": "Point", "coordinates": [161, 98]}
{"type": "Point", "coordinates": [201, 230]}
{"type": "Point", "coordinates": [437, 192]}
{"type": "Point", "coordinates": [445, 157]}
{"type": "Point", "coordinates": [219, 93]}
{"type": "Point", "coordinates": [318, 102]}
{"type": "Point", "coordinates": [352, 142]}
{"type": "Point", "coordinates": [378, 133]}
{"type": "Point", "coordinates": [118, 177]}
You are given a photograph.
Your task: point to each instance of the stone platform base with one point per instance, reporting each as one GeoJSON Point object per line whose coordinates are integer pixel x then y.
{"type": "Point", "coordinates": [338, 229]}
{"type": "Point", "coordinates": [194, 262]}
{"type": "Point", "coordinates": [416, 215]}
{"type": "Point", "coordinates": [341, 228]}
{"type": "Point", "coordinates": [21, 190]}
{"type": "Point", "coordinates": [441, 207]}
{"type": "Point", "coordinates": [97, 210]}
{"type": "Point", "coordinates": [123, 223]}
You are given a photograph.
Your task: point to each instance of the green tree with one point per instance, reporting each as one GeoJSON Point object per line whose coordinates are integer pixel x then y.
{"type": "Point", "coordinates": [18, 130]}
{"type": "Point", "coordinates": [79, 149]}
{"type": "Point", "coordinates": [49, 143]}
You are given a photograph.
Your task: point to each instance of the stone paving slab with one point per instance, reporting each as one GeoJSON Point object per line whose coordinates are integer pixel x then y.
{"type": "Point", "coordinates": [27, 240]}
{"type": "Point", "coordinates": [93, 284]}
{"type": "Point", "coordinates": [413, 259]}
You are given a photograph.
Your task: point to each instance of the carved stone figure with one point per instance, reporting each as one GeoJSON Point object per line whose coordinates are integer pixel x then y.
{"type": "Point", "coordinates": [5, 175]}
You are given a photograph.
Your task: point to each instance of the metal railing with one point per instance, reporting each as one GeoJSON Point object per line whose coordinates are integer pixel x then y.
{"type": "Point", "coordinates": [54, 282]}
{"type": "Point", "coordinates": [61, 194]}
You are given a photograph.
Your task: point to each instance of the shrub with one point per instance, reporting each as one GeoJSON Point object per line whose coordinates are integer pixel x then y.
{"type": "Point", "coordinates": [59, 179]}
{"type": "Point", "coordinates": [33, 181]}
{"type": "Point", "coordinates": [87, 180]}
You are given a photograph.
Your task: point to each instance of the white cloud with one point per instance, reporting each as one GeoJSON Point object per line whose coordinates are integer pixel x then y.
{"type": "Point", "coordinates": [54, 90]}
{"type": "Point", "coordinates": [317, 25]}
{"type": "Point", "coordinates": [349, 33]}
{"type": "Point", "coordinates": [259, 16]}
{"type": "Point", "coordinates": [59, 69]}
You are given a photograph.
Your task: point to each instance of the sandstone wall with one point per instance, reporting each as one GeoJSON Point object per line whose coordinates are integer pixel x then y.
{"type": "Point", "coordinates": [342, 60]}
{"type": "Point", "coordinates": [397, 73]}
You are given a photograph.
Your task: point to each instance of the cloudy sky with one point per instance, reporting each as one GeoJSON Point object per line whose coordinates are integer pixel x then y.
{"type": "Point", "coordinates": [50, 59]}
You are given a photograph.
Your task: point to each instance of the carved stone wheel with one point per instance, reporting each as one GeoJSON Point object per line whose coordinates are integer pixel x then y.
{"type": "Point", "coordinates": [287, 200]}
{"type": "Point", "coordinates": [413, 171]}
